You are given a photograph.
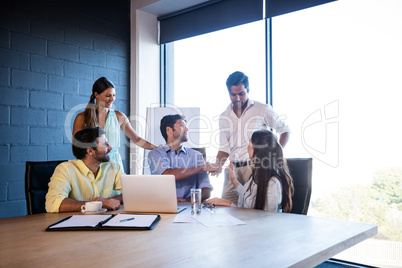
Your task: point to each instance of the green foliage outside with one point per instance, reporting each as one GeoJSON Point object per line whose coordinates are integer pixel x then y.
{"type": "Point", "coordinates": [379, 203]}
{"type": "Point", "coordinates": [388, 183]}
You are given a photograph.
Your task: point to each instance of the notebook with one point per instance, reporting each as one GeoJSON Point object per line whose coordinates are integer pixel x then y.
{"type": "Point", "coordinates": [106, 222]}
{"type": "Point", "coordinates": [149, 193]}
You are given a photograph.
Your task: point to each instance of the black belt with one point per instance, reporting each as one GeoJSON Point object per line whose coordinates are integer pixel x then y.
{"type": "Point", "coordinates": [241, 163]}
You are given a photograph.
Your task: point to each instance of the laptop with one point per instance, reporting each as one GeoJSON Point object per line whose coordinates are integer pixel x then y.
{"type": "Point", "coordinates": [149, 193]}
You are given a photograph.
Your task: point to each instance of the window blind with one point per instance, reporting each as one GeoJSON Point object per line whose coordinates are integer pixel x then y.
{"type": "Point", "coordinates": [216, 15]}
{"type": "Point", "coordinates": [209, 17]}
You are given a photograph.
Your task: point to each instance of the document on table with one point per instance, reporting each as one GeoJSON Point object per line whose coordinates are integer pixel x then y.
{"type": "Point", "coordinates": [209, 219]}
{"type": "Point", "coordinates": [184, 217]}
{"type": "Point", "coordinates": [81, 220]}
{"type": "Point", "coordinates": [131, 220]}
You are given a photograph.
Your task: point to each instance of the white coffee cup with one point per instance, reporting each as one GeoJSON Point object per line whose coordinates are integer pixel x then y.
{"type": "Point", "coordinates": [93, 206]}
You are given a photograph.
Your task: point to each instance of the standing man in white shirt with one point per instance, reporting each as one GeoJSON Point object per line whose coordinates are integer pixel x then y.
{"type": "Point", "coordinates": [236, 124]}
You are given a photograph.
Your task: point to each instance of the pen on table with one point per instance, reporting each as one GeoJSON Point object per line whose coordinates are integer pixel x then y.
{"type": "Point", "coordinates": [129, 219]}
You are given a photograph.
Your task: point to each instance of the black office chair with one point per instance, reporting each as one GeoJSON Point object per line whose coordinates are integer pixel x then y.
{"type": "Point", "coordinates": [37, 178]}
{"type": "Point", "coordinates": [202, 150]}
{"type": "Point", "coordinates": [301, 172]}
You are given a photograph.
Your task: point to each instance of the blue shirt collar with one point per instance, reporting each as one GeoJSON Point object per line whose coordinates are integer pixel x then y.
{"type": "Point", "coordinates": [168, 149]}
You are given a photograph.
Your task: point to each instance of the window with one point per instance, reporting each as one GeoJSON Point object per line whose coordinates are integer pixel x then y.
{"type": "Point", "coordinates": [336, 78]}
{"type": "Point", "coordinates": [336, 75]}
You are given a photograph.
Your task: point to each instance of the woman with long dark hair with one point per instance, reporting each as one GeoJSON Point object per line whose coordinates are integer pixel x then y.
{"type": "Point", "coordinates": [99, 113]}
{"type": "Point", "coordinates": [270, 186]}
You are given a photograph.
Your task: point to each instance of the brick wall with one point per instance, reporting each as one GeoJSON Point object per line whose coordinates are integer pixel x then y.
{"type": "Point", "coordinates": [51, 52]}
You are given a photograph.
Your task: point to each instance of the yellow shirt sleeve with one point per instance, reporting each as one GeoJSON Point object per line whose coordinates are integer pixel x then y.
{"type": "Point", "coordinates": [117, 183]}
{"type": "Point", "coordinates": [59, 188]}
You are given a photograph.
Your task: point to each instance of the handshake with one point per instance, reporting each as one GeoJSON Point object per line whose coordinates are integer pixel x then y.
{"type": "Point", "coordinates": [212, 168]}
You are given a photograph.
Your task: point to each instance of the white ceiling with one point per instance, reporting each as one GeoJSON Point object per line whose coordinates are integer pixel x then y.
{"type": "Point", "coordinates": [164, 7]}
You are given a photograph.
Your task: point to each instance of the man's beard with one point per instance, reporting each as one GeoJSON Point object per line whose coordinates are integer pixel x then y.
{"type": "Point", "coordinates": [181, 138]}
{"type": "Point", "coordinates": [102, 157]}
{"type": "Point", "coordinates": [184, 138]}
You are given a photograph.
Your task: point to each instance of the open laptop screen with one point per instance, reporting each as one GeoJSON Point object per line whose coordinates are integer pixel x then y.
{"type": "Point", "coordinates": [149, 193]}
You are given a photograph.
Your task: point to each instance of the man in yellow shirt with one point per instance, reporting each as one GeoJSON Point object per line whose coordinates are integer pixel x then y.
{"type": "Point", "coordinates": [90, 178]}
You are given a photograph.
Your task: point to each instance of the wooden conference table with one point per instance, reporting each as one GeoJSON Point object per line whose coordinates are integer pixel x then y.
{"type": "Point", "coordinates": [267, 240]}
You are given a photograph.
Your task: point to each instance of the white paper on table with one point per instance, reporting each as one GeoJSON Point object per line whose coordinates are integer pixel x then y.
{"type": "Point", "coordinates": [139, 220]}
{"type": "Point", "coordinates": [209, 219]}
{"type": "Point", "coordinates": [184, 217]}
{"type": "Point", "coordinates": [81, 221]}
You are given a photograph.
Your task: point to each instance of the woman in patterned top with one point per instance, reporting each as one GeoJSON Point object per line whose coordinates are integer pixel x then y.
{"type": "Point", "coordinates": [270, 186]}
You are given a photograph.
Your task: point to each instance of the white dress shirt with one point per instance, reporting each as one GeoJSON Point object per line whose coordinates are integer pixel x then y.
{"type": "Point", "coordinates": [235, 132]}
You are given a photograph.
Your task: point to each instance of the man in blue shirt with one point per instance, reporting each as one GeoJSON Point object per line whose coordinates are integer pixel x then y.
{"type": "Point", "coordinates": [186, 164]}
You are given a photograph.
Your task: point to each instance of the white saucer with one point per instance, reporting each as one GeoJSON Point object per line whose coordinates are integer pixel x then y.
{"type": "Point", "coordinates": [101, 211]}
